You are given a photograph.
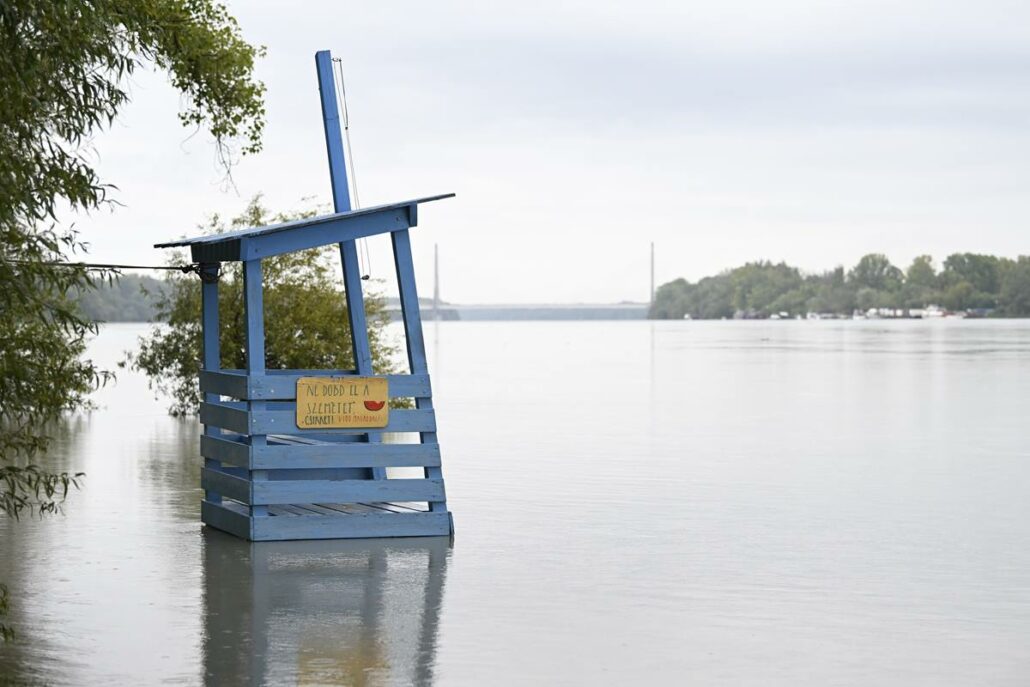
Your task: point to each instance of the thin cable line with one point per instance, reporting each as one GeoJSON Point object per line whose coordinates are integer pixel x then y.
{"type": "Point", "coordinates": [341, 99]}
{"type": "Point", "coordinates": [364, 255]}
{"type": "Point", "coordinates": [104, 266]}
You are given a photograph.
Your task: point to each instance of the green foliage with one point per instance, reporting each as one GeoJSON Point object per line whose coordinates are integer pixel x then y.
{"type": "Point", "coordinates": [921, 284]}
{"type": "Point", "coordinates": [875, 271]}
{"type": "Point", "coordinates": [759, 287]}
{"type": "Point", "coordinates": [305, 318]}
{"type": "Point", "coordinates": [967, 282]}
{"type": "Point", "coordinates": [63, 71]}
{"type": "Point", "coordinates": [921, 273]}
{"type": "Point", "coordinates": [979, 271]}
{"type": "Point", "coordinates": [64, 68]}
{"type": "Point", "coordinates": [29, 486]}
{"type": "Point", "coordinates": [42, 373]}
{"type": "Point", "coordinates": [970, 280]}
{"type": "Point", "coordinates": [1015, 288]}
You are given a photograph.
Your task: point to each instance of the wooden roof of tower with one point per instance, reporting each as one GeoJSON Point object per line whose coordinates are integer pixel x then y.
{"type": "Point", "coordinates": [275, 239]}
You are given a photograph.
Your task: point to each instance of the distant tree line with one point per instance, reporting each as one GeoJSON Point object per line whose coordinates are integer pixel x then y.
{"type": "Point", "coordinates": [129, 298]}
{"type": "Point", "coordinates": [966, 282]}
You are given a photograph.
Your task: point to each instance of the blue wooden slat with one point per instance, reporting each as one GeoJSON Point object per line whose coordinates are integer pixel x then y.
{"type": "Point", "coordinates": [282, 384]}
{"type": "Point", "coordinates": [313, 236]}
{"type": "Point", "coordinates": [293, 225]}
{"type": "Point", "coordinates": [231, 486]}
{"type": "Point", "coordinates": [404, 264]}
{"type": "Point", "coordinates": [281, 418]}
{"type": "Point", "coordinates": [254, 313]}
{"type": "Point", "coordinates": [225, 416]}
{"type": "Point", "coordinates": [316, 474]}
{"type": "Point", "coordinates": [255, 316]}
{"type": "Point", "coordinates": [352, 455]}
{"type": "Point", "coordinates": [356, 307]}
{"type": "Point", "coordinates": [227, 517]}
{"type": "Point", "coordinates": [345, 491]}
{"type": "Point", "coordinates": [223, 383]}
{"type": "Point", "coordinates": [358, 323]}
{"type": "Point", "coordinates": [315, 438]}
{"type": "Point", "coordinates": [416, 344]}
{"type": "Point", "coordinates": [263, 242]}
{"type": "Point", "coordinates": [212, 355]}
{"type": "Point", "coordinates": [272, 386]}
{"type": "Point", "coordinates": [378, 472]}
{"type": "Point", "coordinates": [311, 373]}
{"type": "Point", "coordinates": [321, 510]}
{"type": "Point", "coordinates": [353, 526]}
{"type": "Point", "coordinates": [226, 450]}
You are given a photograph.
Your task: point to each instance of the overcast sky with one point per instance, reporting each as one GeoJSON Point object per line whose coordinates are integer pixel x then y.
{"type": "Point", "coordinates": [575, 133]}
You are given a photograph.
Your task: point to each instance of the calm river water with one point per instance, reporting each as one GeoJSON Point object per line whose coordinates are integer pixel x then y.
{"type": "Point", "coordinates": [740, 503]}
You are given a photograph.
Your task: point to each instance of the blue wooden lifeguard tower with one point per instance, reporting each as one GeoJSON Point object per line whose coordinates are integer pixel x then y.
{"type": "Point", "coordinates": [299, 454]}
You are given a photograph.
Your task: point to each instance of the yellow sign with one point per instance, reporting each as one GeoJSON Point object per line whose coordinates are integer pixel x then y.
{"type": "Point", "coordinates": [342, 402]}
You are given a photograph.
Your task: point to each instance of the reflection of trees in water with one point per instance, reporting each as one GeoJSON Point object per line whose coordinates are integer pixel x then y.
{"type": "Point", "coordinates": [66, 433]}
{"type": "Point", "coordinates": [169, 468]}
{"type": "Point", "coordinates": [36, 656]}
{"type": "Point", "coordinates": [166, 459]}
{"type": "Point", "coordinates": [321, 612]}
{"type": "Point", "coordinates": [162, 455]}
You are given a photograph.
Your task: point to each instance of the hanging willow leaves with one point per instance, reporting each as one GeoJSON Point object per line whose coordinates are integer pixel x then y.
{"type": "Point", "coordinates": [64, 67]}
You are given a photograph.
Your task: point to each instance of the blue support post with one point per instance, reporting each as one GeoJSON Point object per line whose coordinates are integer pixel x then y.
{"type": "Point", "coordinates": [342, 203]}
{"type": "Point", "coordinates": [254, 310]}
{"type": "Point", "coordinates": [212, 352]}
{"type": "Point", "coordinates": [416, 345]}
{"type": "Point", "coordinates": [333, 132]}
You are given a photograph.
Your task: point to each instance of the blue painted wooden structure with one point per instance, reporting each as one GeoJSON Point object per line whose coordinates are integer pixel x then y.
{"type": "Point", "coordinates": [263, 477]}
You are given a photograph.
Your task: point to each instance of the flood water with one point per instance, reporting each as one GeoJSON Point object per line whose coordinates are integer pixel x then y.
{"type": "Point", "coordinates": [745, 503]}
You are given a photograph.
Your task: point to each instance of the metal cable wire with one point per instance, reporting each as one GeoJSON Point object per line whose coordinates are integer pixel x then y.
{"type": "Point", "coordinates": [192, 267]}
{"type": "Point", "coordinates": [209, 275]}
{"type": "Point", "coordinates": [364, 255]}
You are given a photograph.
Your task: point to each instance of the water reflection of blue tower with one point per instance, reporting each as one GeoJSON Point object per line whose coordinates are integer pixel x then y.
{"type": "Point", "coordinates": [343, 612]}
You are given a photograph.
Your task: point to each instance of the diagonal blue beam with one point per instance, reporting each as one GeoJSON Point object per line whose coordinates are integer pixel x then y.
{"type": "Point", "coordinates": [348, 249]}
{"type": "Point", "coordinates": [342, 203]}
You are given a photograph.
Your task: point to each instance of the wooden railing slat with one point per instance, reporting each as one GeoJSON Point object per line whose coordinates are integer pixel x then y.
{"type": "Point", "coordinates": [345, 491]}
{"type": "Point", "coordinates": [275, 385]}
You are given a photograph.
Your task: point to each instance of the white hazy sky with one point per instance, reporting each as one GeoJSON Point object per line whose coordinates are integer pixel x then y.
{"type": "Point", "coordinates": [575, 133]}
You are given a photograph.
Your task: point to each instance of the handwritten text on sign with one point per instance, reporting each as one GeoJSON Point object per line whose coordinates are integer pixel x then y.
{"type": "Point", "coordinates": [342, 402]}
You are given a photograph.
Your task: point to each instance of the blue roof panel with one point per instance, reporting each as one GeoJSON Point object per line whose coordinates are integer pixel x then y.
{"type": "Point", "coordinates": [233, 236]}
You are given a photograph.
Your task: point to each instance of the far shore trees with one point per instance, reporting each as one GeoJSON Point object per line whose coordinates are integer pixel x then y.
{"type": "Point", "coordinates": [966, 282]}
